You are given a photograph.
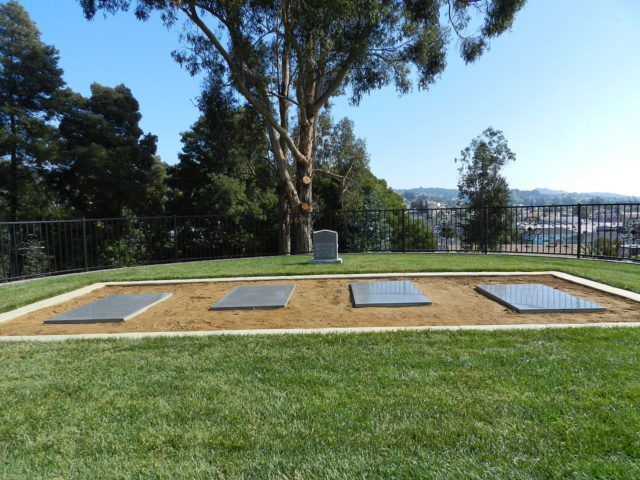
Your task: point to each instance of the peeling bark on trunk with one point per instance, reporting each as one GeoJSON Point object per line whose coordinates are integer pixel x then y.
{"type": "Point", "coordinates": [304, 169]}
{"type": "Point", "coordinates": [304, 227]}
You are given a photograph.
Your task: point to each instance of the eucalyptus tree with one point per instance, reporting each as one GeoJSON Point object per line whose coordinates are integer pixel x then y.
{"type": "Point", "coordinates": [29, 82]}
{"type": "Point", "coordinates": [288, 58]}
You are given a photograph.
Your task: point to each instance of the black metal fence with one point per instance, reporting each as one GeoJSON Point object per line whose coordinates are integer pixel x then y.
{"type": "Point", "coordinates": [608, 231]}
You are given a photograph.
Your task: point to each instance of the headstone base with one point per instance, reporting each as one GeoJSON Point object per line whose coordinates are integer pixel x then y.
{"type": "Point", "coordinates": [333, 260]}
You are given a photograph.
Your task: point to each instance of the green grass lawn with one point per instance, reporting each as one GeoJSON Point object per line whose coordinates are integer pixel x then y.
{"type": "Point", "coordinates": [555, 404]}
{"type": "Point", "coordinates": [621, 275]}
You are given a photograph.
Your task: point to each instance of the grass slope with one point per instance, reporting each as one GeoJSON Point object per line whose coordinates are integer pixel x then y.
{"type": "Point", "coordinates": [559, 404]}
{"type": "Point", "coordinates": [617, 274]}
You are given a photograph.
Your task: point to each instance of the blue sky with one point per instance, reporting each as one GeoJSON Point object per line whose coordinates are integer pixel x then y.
{"type": "Point", "coordinates": [563, 86]}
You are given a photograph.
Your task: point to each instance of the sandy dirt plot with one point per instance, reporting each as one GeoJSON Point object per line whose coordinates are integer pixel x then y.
{"type": "Point", "coordinates": [324, 303]}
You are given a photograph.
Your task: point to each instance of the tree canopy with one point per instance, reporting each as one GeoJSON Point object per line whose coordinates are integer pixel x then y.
{"type": "Point", "coordinates": [223, 166]}
{"type": "Point", "coordinates": [106, 163]}
{"type": "Point", "coordinates": [482, 187]}
{"type": "Point", "coordinates": [29, 82]}
{"type": "Point", "coordinates": [295, 55]}
{"type": "Point", "coordinates": [481, 183]}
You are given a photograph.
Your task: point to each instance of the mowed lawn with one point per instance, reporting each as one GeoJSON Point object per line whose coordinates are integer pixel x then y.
{"type": "Point", "coordinates": [549, 404]}
{"type": "Point", "coordinates": [555, 404]}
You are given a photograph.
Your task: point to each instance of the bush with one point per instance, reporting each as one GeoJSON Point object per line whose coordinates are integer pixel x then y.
{"type": "Point", "coordinates": [129, 250]}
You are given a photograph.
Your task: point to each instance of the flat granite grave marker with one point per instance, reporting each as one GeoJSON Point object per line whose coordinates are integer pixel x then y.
{"type": "Point", "coordinates": [537, 298]}
{"type": "Point", "coordinates": [111, 309]}
{"type": "Point", "coordinates": [325, 247]}
{"type": "Point", "coordinates": [387, 294]}
{"type": "Point", "coordinates": [255, 297]}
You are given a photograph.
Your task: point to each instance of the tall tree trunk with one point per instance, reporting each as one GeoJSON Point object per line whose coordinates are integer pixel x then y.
{"type": "Point", "coordinates": [284, 209]}
{"type": "Point", "coordinates": [284, 222]}
{"type": "Point", "coordinates": [303, 218]}
{"type": "Point", "coordinates": [304, 172]}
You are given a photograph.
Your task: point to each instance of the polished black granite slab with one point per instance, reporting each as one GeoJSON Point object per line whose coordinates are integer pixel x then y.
{"type": "Point", "coordinates": [114, 308]}
{"type": "Point", "coordinates": [255, 297]}
{"type": "Point", "coordinates": [387, 294]}
{"type": "Point", "coordinates": [537, 298]}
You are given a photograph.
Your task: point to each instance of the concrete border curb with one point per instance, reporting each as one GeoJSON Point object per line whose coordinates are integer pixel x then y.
{"type": "Point", "coordinates": [319, 331]}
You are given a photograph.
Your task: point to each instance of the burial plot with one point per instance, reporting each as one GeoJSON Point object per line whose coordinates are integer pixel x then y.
{"type": "Point", "coordinates": [325, 247]}
{"type": "Point", "coordinates": [255, 297]}
{"type": "Point", "coordinates": [387, 294]}
{"type": "Point", "coordinates": [114, 308]}
{"type": "Point", "coordinates": [537, 298]}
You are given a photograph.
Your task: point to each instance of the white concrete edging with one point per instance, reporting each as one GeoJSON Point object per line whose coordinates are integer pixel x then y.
{"type": "Point", "coordinates": [319, 331]}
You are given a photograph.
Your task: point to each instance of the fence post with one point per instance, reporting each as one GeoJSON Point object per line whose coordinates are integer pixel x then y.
{"type": "Point", "coordinates": [579, 229]}
{"type": "Point", "coordinates": [84, 241]}
{"type": "Point", "coordinates": [404, 233]}
{"type": "Point", "coordinates": [175, 237]}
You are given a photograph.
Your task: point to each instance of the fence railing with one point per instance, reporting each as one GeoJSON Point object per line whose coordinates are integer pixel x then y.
{"type": "Point", "coordinates": [608, 231]}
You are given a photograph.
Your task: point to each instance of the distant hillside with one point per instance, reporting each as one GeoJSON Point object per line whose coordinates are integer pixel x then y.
{"type": "Point", "coordinates": [545, 196]}
{"type": "Point", "coordinates": [417, 197]}
{"type": "Point", "coordinates": [548, 191]}
{"type": "Point", "coordinates": [445, 196]}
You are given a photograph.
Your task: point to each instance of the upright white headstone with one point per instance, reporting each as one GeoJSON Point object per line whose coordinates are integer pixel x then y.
{"type": "Point", "coordinates": [325, 247]}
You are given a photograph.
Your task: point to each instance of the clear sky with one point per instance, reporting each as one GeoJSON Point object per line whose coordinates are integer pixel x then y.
{"type": "Point", "coordinates": [563, 86]}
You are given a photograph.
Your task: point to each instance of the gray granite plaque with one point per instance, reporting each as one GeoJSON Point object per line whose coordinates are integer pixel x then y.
{"type": "Point", "coordinates": [258, 297]}
{"type": "Point", "coordinates": [387, 294]}
{"type": "Point", "coordinates": [537, 298]}
{"type": "Point", "coordinates": [325, 247]}
{"type": "Point", "coordinates": [114, 308]}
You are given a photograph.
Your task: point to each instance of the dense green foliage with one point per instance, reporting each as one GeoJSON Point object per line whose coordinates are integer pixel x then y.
{"type": "Point", "coordinates": [100, 164]}
{"type": "Point", "coordinates": [555, 404]}
{"type": "Point", "coordinates": [30, 80]}
{"type": "Point", "coordinates": [106, 164]}
{"type": "Point", "coordinates": [61, 154]}
{"type": "Point", "coordinates": [484, 190]}
{"type": "Point", "coordinates": [223, 168]}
